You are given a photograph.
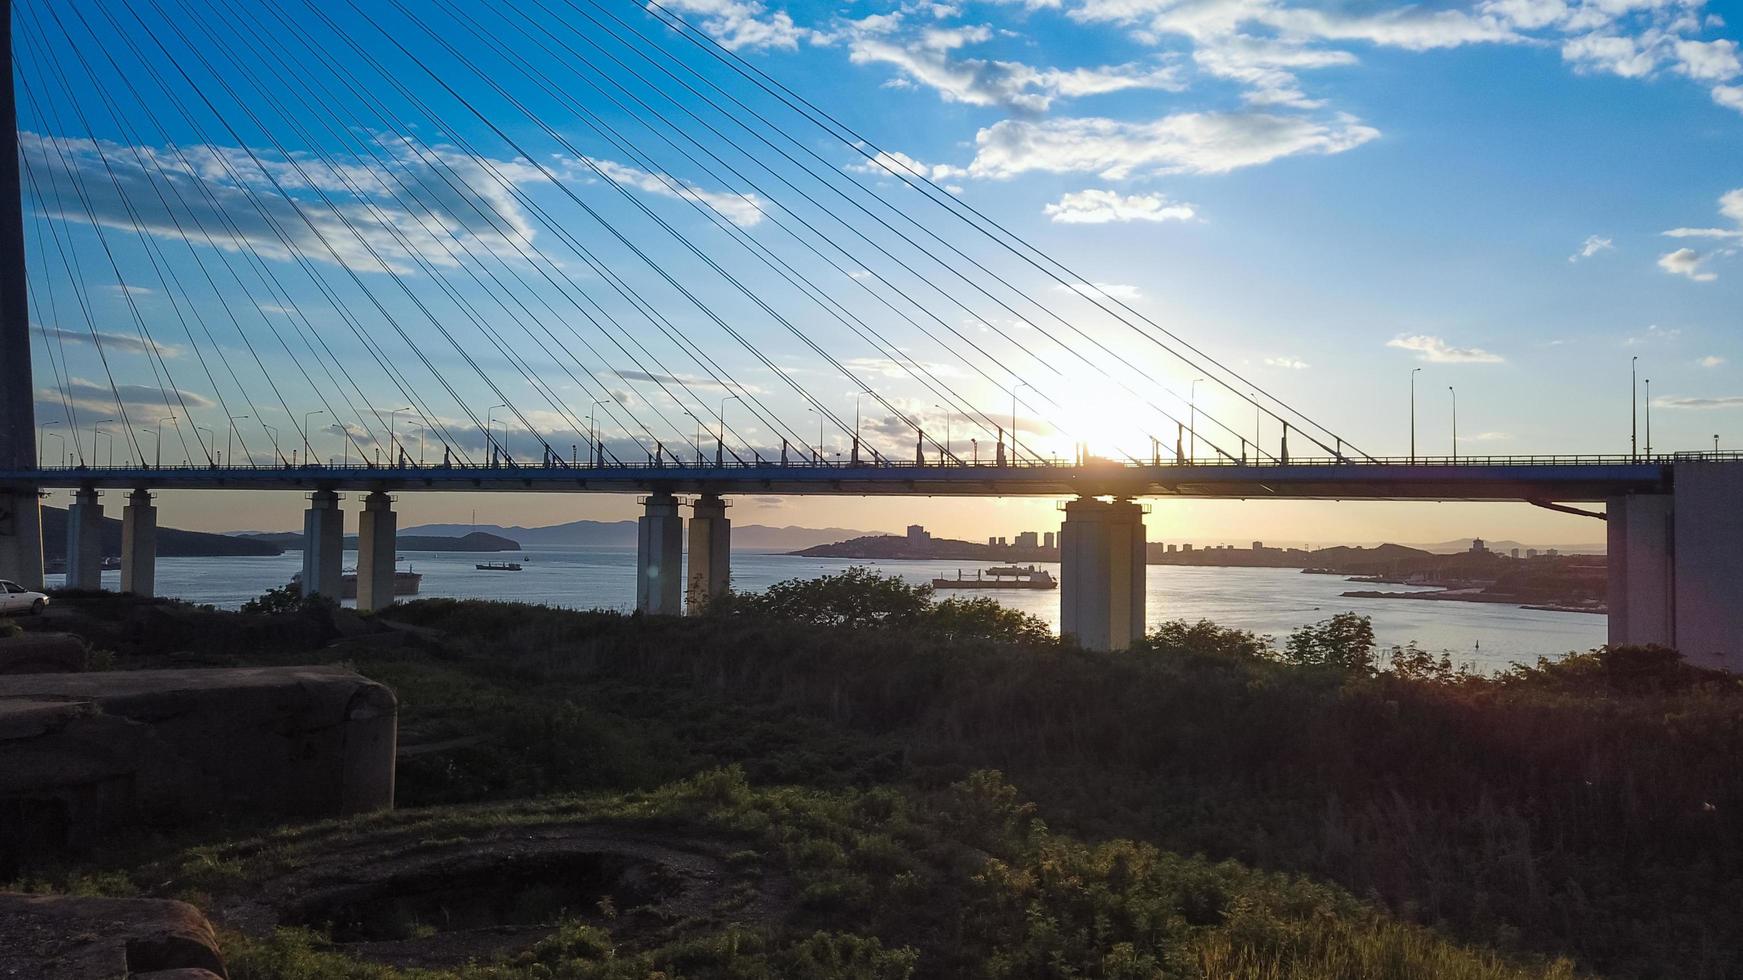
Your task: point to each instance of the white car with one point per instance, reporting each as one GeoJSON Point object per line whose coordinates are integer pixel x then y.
{"type": "Point", "coordinates": [15, 598]}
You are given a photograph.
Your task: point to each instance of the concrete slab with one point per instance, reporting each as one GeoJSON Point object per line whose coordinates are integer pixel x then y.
{"type": "Point", "coordinates": [63, 937]}
{"type": "Point", "coordinates": [81, 754]}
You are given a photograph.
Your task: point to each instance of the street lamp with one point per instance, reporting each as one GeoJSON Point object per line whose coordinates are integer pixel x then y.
{"type": "Point", "coordinates": [1715, 442]}
{"type": "Point", "coordinates": [199, 429]}
{"type": "Point", "coordinates": [229, 443]}
{"type": "Point", "coordinates": [94, 438]}
{"type": "Point", "coordinates": [1192, 419]}
{"type": "Point", "coordinates": [591, 432]}
{"type": "Point", "coordinates": [1019, 385]}
{"type": "Point", "coordinates": [1413, 372]}
{"type": "Point", "coordinates": [720, 448]}
{"type": "Point", "coordinates": [420, 429]}
{"type": "Point", "coordinates": [1633, 408]}
{"type": "Point", "coordinates": [308, 450]}
{"type": "Point", "coordinates": [61, 453]}
{"type": "Point", "coordinates": [1455, 421]}
{"type": "Point", "coordinates": [1648, 418]}
{"type": "Point", "coordinates": [946, 412]}
{"type": "Point", "coordinates": [97, 444]}
{"type": "Point", "coordinates": [393, 433]}
{"type": "Point", "coordinates": [272, 430]}
{"type": "Point", "coordinates": [818, 451]}
{"type": "Point", "coordinates": [1258, 420]}
{"type": "Point", "coordinates": [489, 428]}
{"type": "Point", "coordinates": [41, 439]}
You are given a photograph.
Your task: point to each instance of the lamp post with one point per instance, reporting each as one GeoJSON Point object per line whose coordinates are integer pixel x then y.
{"type": "Point", "coordinates": [591, 431]}
{"type": "Point", "coordinates": [41, 439]}
{"type": "Point", "coordinates": [1648, 418]}
{"type": "Point", "coordinates": [1455, 421]}
{"type": "Point", "coordinates": [489, 430]}
{"type": "Point", "coordinates": [61, 453]}
{"type": "Point", "coordinates": [1413, 372]}
{"type": "Point", "coordinates": [230, 443]}
{"type": "Point", "coordinates": [946, 412]}
{"type": "Point", "coordinates": [94, 438]}
{"type": "Point", "coordinates": [1633, 407]}
{"type": "Point", "coordinates": [393, 434]}
{"type": "Point", "coordinates": [1258, 421]}
{"type": "Point", "coordinates": [173, 421]}
{"type": "Point", "coordinates": [308, 450]}
{"type": "Point", "coordinates": [199, 429]}
{"type": "Point", "coordinates": [1192, 419]}
{"type": "Point", "coordinates": [272, 430]}
{"type": "Point", "coordinates": [420, 429]}
{"type": "Point", "coordinates": [1014, 390]}
{"type": "Point", "coordinates": [720, 450]}
{"type": "Point", "coordinates": [97, 444]}
{"type": "Point", "coordinates": [1715, 442]}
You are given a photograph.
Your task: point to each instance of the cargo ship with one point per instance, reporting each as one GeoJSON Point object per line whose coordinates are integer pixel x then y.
{"type": "Point", "coordinates": [1001, 577]}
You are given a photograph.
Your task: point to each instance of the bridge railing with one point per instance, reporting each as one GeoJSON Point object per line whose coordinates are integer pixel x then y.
{"type": "Point", "coordinates": [826, 464]}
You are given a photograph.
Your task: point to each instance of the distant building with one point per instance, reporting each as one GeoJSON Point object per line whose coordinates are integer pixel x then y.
{"type": "Point", "coordinates": [1478, 546]}
{"type": "Point", "coordinates": [992, 542]}
{"type": "Point", "coordinates": [1003, 543]}
{"type": "Point", "coordinates": [1258, 546]}
{"type": "Point", "coordinates": [1029, 539]}
{"type": "Point", "coordinates": [1531, 552]}
{"type": "Point", "coordinates": [1551, 553]}
{"type": "Point", "coordinates": [917, 532]}
{"type": "Point", "coordinates": [1186, 547]}
{"type": "Point", "coordinates": [1173, 548]}
{"type": "Point", "coordinates": [1514, 553]}
{"type": "Point", "coordinates": [1047, 539]}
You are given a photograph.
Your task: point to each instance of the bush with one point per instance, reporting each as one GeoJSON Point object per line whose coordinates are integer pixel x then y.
{"type": "Point", "coordinates": [287, 599]}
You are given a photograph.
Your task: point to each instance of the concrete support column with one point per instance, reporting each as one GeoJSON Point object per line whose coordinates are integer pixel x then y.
{"type": "Point", "coordinates": [85, 541]}
{"type": "Point", "coordinates": [324, 546]}
{"type": "Point", "coordinates": [710, 545]}
{"type": "Point", "coordinates": [376, 545]}
{"type": "Point", "coordinates": [1101, 573]}
{"type": "Point", "coordinates": [21, 536]}
{"type": "Point", "coordinates": [1706, 536]}
{"type": "Point", "coordinates": [1641, 570]}
{"type": "Point", "coordinates": [659, 557]}
{"type": "Point", "coordinates": [139, 544]}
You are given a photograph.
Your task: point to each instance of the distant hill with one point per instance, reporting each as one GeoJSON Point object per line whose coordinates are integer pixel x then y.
{"type": "Point", "coordinates": [583, 534]}
{"type": "Point", "coordinates": [943, 549]}
{"type": "Point", "coordinates": [171, 542]}
{"type": "Point", "coordinates": [475, 541]}
{"type": "Point", "coordinates": [1505, 546]}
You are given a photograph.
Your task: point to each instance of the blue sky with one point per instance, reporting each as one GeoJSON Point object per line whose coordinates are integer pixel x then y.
{"type": "Point", "coordinates": [1517, 196]}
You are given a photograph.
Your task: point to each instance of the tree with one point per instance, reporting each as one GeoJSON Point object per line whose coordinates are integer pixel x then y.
{"type": "Point", "coordinates": [1345, 641]}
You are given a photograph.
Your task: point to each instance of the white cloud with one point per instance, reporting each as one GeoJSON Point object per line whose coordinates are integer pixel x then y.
{"type": "Point", "coordinates": [740, 24]}
{"type": "Point", "coordinates": [1613, 54]}
{"type": "Point", "coordinates": [1096, 207]}
{"type": "Point", "coordinates": [745, 211]}
{"type": "Point", "coordinates": [896, 164]}
{"type": "Point", "coordinates": [1677, 401]}
{"type": "Point", "coordinates": [1686, 262]}
{"type": "Point", "coordinates": [1121, 292]}
{"type": "Point", "coordinates": [1438, 351]}
{"type": "Point", "coordinates": [1654, 334]}
{"type": "Point", "coordinates": [1487, 437]}
{"type": "Point", "coordinates": [1291, 363]}
{"type": "Point", "coordinates": [1731, 206]}
{"type": "Point", "coordinates": [1189, 142]}
{"type": "Point", "coordinates": [928, 59]}
{"type": "Point", "coordinates": [112, 341]}
{"type": "Point", "coordinates": [1590, 247]}
{"type": "Point", "coordinates": [1708, 61]}
{"type": "Point", "coordinates": [1711, 361]}
{"type": "Point", "coordinates": [93, 396]}
{"type": "Point", "coordinates": [1729, 96]}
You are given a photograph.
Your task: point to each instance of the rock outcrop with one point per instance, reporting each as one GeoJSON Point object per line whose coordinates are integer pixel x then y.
{"type": "Point", "coordinates": [63, 937]}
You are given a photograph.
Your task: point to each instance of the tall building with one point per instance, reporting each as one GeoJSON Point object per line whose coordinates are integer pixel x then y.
{"type": "Point", "coordinates": [1514, 553]}
{"type": "Point", "coordinates": [1478, 546]}
{"type": "Point", "coordinates": [992, 542]}
{"type": "Point", "coordinates": [917, 532]}
{"type": "Point", "coordinates": [1531, 552]}
{"type": "Point", "coordinates": [1186, 547]}
{"type": "Point", "coordinates": [1173, 548]}
{"type": "Point", "coordinates": [1258, 546]}
{"type": "Point", "coordinates": [1003, 543]}
{"type": "Point", "coordinates": [1029, 539]}
{"type": "Point", "coordinates": [1047, 540]}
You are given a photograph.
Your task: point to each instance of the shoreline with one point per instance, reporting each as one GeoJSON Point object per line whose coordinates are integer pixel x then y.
{"type": "Point", "coordinates": [1456, 595]}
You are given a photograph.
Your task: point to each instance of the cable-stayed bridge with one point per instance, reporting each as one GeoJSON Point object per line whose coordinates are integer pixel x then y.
{"type": "Point", "coordinates": [580, 246]}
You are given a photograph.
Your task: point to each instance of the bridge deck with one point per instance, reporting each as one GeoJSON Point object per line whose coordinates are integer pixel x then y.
{"type": "Point", "coordinates": [1568, 479]}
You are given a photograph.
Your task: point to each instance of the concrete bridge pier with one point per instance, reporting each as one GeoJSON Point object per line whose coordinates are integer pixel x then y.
{"type": "Point", "coordinates": [1101, 573]}
{"type": "Point", "coordinates": [21, 536]}
{"type": "Point", "coordinates": [710, 547]}
{"type": "Point", "coordinates": [139, 544]}
{"type": "Point", "coordinates": [1676, 565]}
{"type": "Point", "coordinates": [85, 540]}
{"type": "Point", "coordinates": [376, 551]}
{"type": "Point", "coordinates": [659, 561]}
{"type": "Point", "coordinates": [324, 546]}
